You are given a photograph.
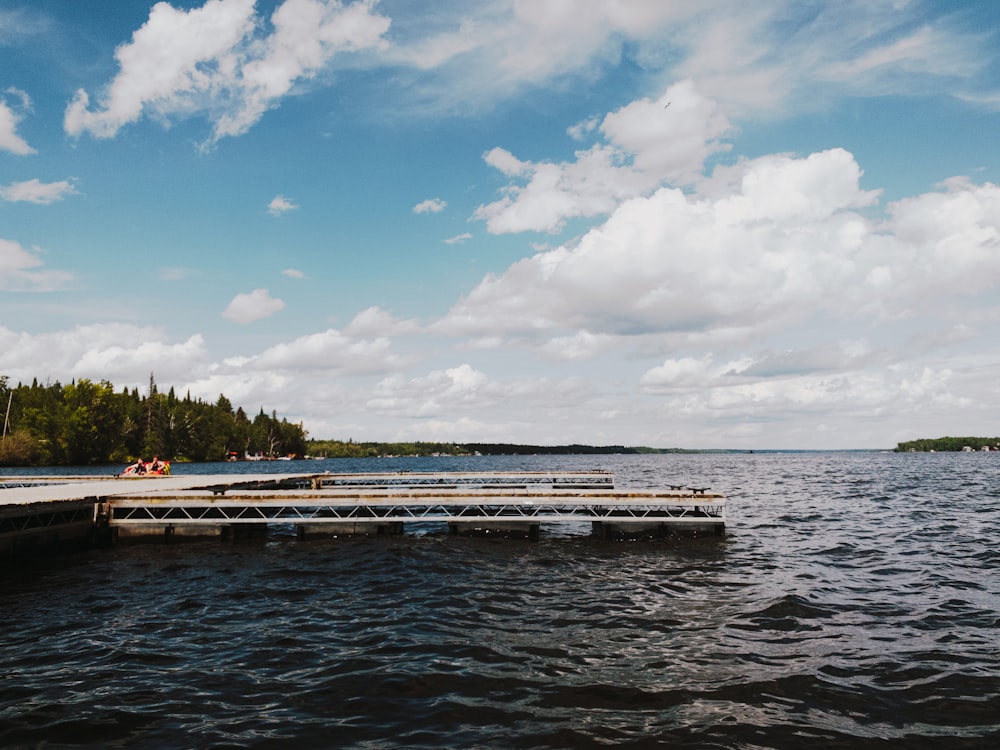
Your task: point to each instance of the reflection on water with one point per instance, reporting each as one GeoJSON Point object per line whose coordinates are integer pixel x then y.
{"type": "Point", "coordinates": [854, 602]}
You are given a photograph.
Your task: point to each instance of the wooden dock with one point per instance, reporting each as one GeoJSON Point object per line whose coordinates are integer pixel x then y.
{"type": "Point", "coordinates": [39, 510]}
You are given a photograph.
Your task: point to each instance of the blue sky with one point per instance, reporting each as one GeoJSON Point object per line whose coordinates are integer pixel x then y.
{"type": "Point", "coordinates": [715, 224]}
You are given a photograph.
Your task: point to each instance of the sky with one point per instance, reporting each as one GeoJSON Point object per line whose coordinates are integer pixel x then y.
{"type": "Point", "coordinates": [667, 223]}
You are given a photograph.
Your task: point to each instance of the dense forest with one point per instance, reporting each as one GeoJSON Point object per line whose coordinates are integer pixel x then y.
{"type": "Point", "coordinates": [949, 444]}
{"type": "Point", "coordinates": [86, 423]}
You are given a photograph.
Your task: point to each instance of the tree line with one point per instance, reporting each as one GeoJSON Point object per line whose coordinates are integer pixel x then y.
{"type": "Point", "coordinates": [351, 449]}
{"type": "Point", "coordinates": [86, 423]}
{"type": "Point", "coordinates": [945, 444]}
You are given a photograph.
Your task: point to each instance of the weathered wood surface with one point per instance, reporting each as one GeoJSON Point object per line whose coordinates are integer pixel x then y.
{"type": "Point", "coordinates": [33, 489]}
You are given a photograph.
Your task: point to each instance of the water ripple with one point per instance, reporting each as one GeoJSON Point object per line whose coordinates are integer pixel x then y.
{"type": "Point", "coordinates": [855, 601]}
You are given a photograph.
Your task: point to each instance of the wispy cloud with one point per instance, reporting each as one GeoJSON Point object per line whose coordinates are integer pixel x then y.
{"type": "Point", "coordinates": [20, 270]}
{"type": "Point", "coordinates": [293, 273]}
{"type": "Point", "coordinates": [172, 273]}
{"type": "Point", "coordinates": [430, 206]}
{"type": "Point", "coordinates": [10, 117]}
{"type": "Point", "coordinates": [458, 239]}
{"type": "Point", "coordinates": [35, 191]}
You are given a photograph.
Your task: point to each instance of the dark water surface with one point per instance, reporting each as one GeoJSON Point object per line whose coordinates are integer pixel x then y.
{"type": "Point", "coordinates": [855, 602]}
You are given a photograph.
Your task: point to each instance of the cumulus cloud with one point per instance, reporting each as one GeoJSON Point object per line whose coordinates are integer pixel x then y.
{"type": "Point", "coordinates": [330, 352]}
{"type": "Point", "coordinates": [675, 262]}
{"type": "Point", "coordinates": [10, 117]}
{"type": "Point", "coordinates": [376, 322]}
{"type": "Point", "coordinates": [779, 247]}
{"type": "Point", "coordinates": [464, 389]}
{"type": "Point", "coordinates": [98, 352]}
{"type": "Point", "coordinates": [579, 346]}
{"type": "Point", "coordinates": [246, 308]}
{"type": "Point", "coordinates": [224, 61]}
{"type": "Point", "coordinates": [430, 206]}
{"type": "Point", "coordinates": [280, 205]}
{"type": "Point", "coordinates": [427, 396]}
{"type": "Point", "coordinates": [685, 372]}
{"type": "Point", "coordinates": [646, 145]}
{"type": "Point", "coordinates": [35, 191]}
{"type": "Point", "coordinates": [293, 273]}
{"type": "Point", "coordinates": [700, 390]}
{"type": "Point", "coordinates": [20, 270]}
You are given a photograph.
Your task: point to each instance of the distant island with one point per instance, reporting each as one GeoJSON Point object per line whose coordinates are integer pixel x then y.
{"type": "Point", "coordinates": [949, 444]}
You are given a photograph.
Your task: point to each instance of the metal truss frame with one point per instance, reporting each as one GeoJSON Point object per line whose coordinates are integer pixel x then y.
{"type": "Point", "coordinates": [21, 518]}
{"type": "Point", "coordinates": [234, 510]}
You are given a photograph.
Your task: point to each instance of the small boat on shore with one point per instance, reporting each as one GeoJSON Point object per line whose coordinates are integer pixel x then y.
{"type": "Point", "coordinates": [154, 468]}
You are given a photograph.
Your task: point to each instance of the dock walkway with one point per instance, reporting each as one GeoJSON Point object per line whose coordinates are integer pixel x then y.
{"type": "Point", "coordinates": [33, 509]}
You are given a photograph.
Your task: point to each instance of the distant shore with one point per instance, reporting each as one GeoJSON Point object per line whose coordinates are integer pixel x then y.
{"type": "Point", "coordinates": [949, 445]}
{"type": "Point", "coordinates": [350, 449]}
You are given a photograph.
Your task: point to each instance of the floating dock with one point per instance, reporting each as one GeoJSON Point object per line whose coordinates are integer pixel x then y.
{"type": "Point", "coordinates": [36, 511]}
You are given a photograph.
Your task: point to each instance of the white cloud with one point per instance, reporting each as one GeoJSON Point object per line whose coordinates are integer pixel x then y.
{"type": "Point", "coordinates": [491, 51]}
{"type": "Point", "coordinates": [464, 389]}
{"type": "Point", "coordinates": [913, 56]}
{"type": "Point", "coordinates": [279, 205]}
{"type": "Point", "coordinates": [246, 308]}
{"type": "Point", "coordinates": [293, 273]}
{"type": "Point", "coordinates": [786, 242]}
{"type": "Point", "coordinates": [648, 145]}
{"type": "Point", "coordinates": [580, 346]}
{"type": "Point", "coordinates": [430, 395]}
{"type": "Point", "coordinates": [683, 373]}
{"type": "Point", "coordinates": [226, 62]}
{"type": "Point", "coordinates": [20, 271]}
{"type": "Point", "coordinates": [759, 59]}
{"type": "Point", "coordinates": [458, 239]}
{"type": "Point", "coordinates": [431, 205]}
{"type": "Point", "coordinates": [35, 191]}
{"type": "Point", "coordinates": [329, 352]}
{"type": "Point", "coordinates": [122, 353]}
{"type": "Point", "coordinates": [216, 60]}
{"type": "Point", "coordinates": [10, 117]}
{"type": "Point", "coordinates": [698, 390]}
{"type": "Point", "coordinates": [581, 130]}
{"type": "Point", "coordinates": [375, 322]}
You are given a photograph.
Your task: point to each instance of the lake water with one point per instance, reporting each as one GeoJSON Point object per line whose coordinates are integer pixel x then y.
{"type": "Point", "coordinates": [854, 602]}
